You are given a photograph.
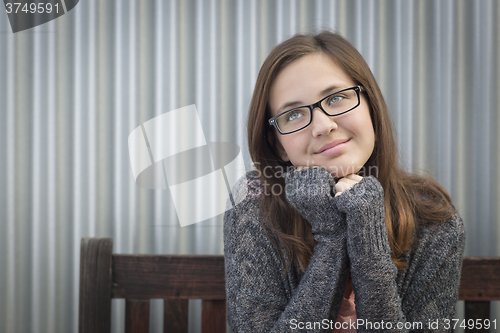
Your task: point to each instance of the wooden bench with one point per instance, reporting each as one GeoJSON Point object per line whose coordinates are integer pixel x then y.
{"type": "Point", "coordinates": [177, 278]}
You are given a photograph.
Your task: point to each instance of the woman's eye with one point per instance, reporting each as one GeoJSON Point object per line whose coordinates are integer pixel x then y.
{"type": "Point", "coordinates": [335, 99]}
{"type": "Point", "coordinates": [293, 115]}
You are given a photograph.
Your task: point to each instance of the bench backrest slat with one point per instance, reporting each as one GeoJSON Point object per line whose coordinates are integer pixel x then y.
{"type": "Point", "coordinates": [175, 316]}
{"type": "Point", "coordinates": [136, 315]}
{"type": "Point", "coordinates": [213, 316]}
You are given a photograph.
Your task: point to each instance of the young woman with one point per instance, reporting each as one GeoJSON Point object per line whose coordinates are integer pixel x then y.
{"type": "Point", "coordinates": [333, 235]}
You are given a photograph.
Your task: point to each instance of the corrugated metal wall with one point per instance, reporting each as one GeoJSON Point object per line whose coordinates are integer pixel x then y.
{"type": "Point", "coordinates": [73, 89]}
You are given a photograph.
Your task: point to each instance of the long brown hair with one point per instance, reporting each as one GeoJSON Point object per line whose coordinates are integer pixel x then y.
{"type": "Point", "coordinates": [408, 198]}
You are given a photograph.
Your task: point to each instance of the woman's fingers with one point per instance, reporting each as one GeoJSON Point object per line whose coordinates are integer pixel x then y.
{"type": "Point", "coordinates": [355, 177]}
{"type": "Point", "coordinates": [346, 183]}
{"type": "Point", "coordinates": [342, 185]}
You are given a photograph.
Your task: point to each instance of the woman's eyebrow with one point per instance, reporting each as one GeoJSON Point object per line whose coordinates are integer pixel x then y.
{"type": "Point", "coordinates": [288, 106]}
{"type": "Point", "coordinates": [331, 89]}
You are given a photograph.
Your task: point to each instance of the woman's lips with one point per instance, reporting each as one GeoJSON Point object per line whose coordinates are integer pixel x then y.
{"type": "Point", "coordinates": [335, 149]}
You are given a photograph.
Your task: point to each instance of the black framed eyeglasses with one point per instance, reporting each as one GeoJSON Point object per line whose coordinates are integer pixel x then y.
{"type": "Point", "coordinates": [335, 104]}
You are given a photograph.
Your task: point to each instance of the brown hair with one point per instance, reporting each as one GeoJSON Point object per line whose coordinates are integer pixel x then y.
{"type": "Point", "coordinates": [408, 198]}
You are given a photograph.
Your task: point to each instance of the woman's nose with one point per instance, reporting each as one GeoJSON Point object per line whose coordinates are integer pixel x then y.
{"type": "Point", "coordinates": [322, 124]}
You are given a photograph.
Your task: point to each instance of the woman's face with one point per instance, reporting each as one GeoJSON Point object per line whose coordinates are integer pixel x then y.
{"type": "Point", "coordinates": [304, 82]}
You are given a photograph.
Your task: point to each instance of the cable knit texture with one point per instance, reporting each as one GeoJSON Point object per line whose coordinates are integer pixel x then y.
{"type": "Point", "coordinates": [350, 234]}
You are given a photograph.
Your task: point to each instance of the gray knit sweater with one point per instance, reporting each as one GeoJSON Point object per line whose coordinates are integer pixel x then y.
{"type": "Point", "coordinates": [350, 235]}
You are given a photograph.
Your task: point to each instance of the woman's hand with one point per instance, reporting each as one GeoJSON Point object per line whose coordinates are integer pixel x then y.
{"type": "Point", "coordinates": [309, 188]}
{"type": "Point", "coordinates": [310, 192]}
{"type": "Point", "coordinates": [346, 183]}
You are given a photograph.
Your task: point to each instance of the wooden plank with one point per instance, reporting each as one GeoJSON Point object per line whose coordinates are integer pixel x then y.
{"type": "Point", "coordinates": [477, 310]}
{"type": "Point", "coordinates": [480, 279]}
{"type": "Point", "coordinates": [136, 316]}
{"type": "Point", "coordinates": [95, 285]}
{"type": "Point", "coordinates": [213, 316]}
{"type": "Point", "coordinates": [161, 276]}
{"type": "Point", "coordinates": [175, 315]}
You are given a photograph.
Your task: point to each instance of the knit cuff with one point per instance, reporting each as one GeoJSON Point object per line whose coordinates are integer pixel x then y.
{"type": "Point", "coordinates": [362, 195]}
{"type": "Point", "coordinates": [310, 192]}
{"type": "Point", "coordinates": [366, 230]}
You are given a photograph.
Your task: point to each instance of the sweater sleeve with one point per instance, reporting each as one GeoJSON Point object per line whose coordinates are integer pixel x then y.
{"type": "Point", "coordinates": [431, 289]}
{"type": "Point", "coordinates": [257, 299]}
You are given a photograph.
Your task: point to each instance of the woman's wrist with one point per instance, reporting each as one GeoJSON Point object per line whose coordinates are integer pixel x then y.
{"type": "Point", "coordinates": [311, 192]}
{"type": "Point", "coordinates": [363, 205]}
